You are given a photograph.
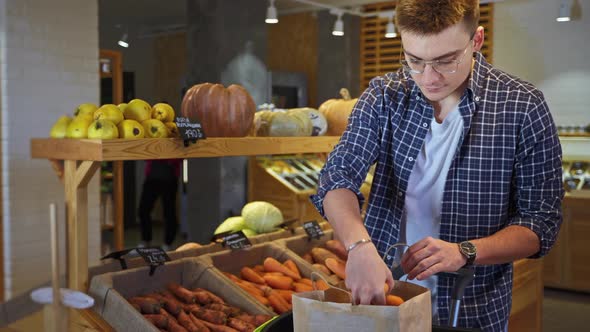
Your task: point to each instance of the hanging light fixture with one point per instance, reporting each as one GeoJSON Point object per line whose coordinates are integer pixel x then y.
{"type": "Point", "coordinates": [565, 11]}
{"type": "Point", "coordinates": [390, 29]}
{"type": "Point", "coordinates": [271, 13]}
{"type": "Point", "coordinates": [123, 42]}
{"type": "Point", "coordinates": [339, 24]}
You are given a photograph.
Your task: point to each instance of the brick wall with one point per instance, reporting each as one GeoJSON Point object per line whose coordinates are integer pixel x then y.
{"type": "Point", "coordinates": [48, 65]}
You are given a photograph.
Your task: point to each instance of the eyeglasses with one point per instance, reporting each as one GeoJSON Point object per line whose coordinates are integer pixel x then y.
{"type": "Point", "coordinates": [440, 66]}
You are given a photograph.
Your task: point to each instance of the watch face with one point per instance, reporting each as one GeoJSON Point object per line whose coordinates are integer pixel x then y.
{"type": "Point", "coordinates": [468, 248]}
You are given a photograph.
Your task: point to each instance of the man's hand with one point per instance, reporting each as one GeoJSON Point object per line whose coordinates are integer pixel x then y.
{"type": "Point", "coordinates": [430, 256]}
{"type": "Point", "coordinates": [366, 275]}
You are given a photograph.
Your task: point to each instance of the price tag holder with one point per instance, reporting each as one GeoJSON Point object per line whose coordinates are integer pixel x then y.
{"type": "Point", "coordinates": [236, 241]}
{"type": "Point", "coordinates": [153, 256]}
{"type": "Point", "coordinates": [313, 229]}
{"type": "Point", "coordinates": [118, 255]}
{"type": "Point", "coordinates": [190, 130]}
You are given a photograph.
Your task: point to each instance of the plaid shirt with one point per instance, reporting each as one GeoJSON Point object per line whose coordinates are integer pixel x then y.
{"type": "Point", "coordinates": [506, 171]}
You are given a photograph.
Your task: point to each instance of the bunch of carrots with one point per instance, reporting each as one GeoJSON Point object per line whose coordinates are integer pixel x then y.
{"type": "Point", "coordinates": [331, 260]}
{"type": "Point", "coordinates": [273, 283]}
{"type": "Point", "coordinates": [178, 309]}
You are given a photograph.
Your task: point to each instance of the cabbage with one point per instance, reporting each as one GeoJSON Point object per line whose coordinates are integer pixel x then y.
{"type": "Point", "coordinates": [231, 224]}
{"type": "Point", "coordinates": [261, 217]}
{"type": "Point", "coordinates": [248, 232]}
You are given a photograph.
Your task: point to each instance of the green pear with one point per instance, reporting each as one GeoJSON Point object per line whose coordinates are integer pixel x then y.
{"type": "Point", "coordinates": [109, 112]}
{"type": "Point", "coordinates": [122, 106]}
{"type": "Point", "coordinates": [103, 129]}
{"type": "Point", "coordinates": [155, 129]}
{"type": "Point", "coordinates": [130, 129]}
{"type": "Point", "coordinates": [172, 129]}
{"type": "Point", "coordinates": [59, 128]}
{"type": "Point", "coordinates": [78, 128]}
{"type": "Point", "coordinates": [85, 109]}
{"type": "Point", "coordinates": [138, 110]}
{"type": "Point", "coordinates": [163, 112]}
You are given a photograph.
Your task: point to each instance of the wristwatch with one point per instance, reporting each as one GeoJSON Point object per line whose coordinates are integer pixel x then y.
{"type": "Point", "coordinates": [468, 250]}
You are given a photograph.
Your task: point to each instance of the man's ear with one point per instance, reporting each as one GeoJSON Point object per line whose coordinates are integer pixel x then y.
{"type": "Point", "coordinates": [478, 38]}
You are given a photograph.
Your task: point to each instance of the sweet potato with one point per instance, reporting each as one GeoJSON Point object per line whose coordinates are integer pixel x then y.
{"type": "Point", "coordinates": [212, 316]}
{"type": "Point", "coordinates": [173, 326]}
{"type": "Point", "coordinates": [293, 267]}
{"type": "Point", "coordinates": [272, 265]}
{"type": "Point", "coordinates": [160, 321]}
{"type": "Point", "coordinates": [247, 318]}
{"type": "Point", "coordinates": [182, 293]}
{"type": "Point", "coordinates": [261, 319]}
{"type": "Point", "coordinates": [240, 325]}
{"type": "Point", "coordinates": [337, 248]}
{"type": "Point", "coordinates": [251, 275]}
{"type": "Point", "coordinates": [299, 287]}
{"type": "Point", "coordinates": [226, 309]}
{"type": "Point", "coordinates": [307, 256]}
{"type": "Point", "coordinates": [278, 304]}
{"type": "Point", "coordinates": [198, 323]}
{"type": "Point", "coordinates": [336, 266]}
{"type": "Point", "coordinates": [186, 322]}
{"type": "Point", "coordinates": [214, 298]}
{"type": "Point", "coordinates": [322, 268]}
{"type": "Point", "coordinates": [167, 314]}
{"type": "Point", "coordinates": [393, 300]}
{"type": "Point", "coordinates": [216, 327]}
{"type": "Point", "coordinates": [147, 305]}
{"type": "Point", "coordinates": [320, 254]}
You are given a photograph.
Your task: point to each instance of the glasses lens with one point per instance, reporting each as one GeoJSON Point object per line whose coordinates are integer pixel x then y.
{"type": "Point", "coordinates": [446, 66]}
{"type": "Point", "coordinates": [415, 66]}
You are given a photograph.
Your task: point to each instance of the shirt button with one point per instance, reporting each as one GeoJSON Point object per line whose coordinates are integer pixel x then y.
{"type": "Point", "coordinates": [388, 257]}
{"type": "Point", "coordinates": [418, 98]}
{"type": "Point", "coordinates": [411, 159]}
{"type": "Point", "coordinates": [477, 98]}
{"type": "Point", "coordinates": [400, 194]}
{"type": "Point", "coordinates": [425, 125]}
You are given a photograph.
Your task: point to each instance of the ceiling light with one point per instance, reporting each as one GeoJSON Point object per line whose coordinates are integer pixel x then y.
{"type": "Point", "coordinates": [123, 41]}
{"type": "Point", "coordinates": [271, 13]}
{"type": "Point", "coordinates": [338, 25]}
{"type": "Point", "coordinates": [565, 11]}
{"type": "Point", "coordinates": [390, 29]}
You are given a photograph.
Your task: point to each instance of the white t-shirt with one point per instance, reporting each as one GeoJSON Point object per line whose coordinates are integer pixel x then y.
{"type": "Point", "coordinates": [427, 183]}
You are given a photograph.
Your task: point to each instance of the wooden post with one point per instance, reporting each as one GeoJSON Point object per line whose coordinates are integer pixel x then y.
{"type": "Point", "coordinates": [118, 204]}
{"type": "Point", "coordinates": [76, 179]}
{"type": "Point", "coordinates": [55, 314]}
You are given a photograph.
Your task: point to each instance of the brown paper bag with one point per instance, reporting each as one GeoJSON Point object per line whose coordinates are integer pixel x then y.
{"type": "Point", "coordinates": [330, 310]}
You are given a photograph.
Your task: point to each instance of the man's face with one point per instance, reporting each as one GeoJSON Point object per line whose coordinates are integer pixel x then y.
{"type": "Point", "coordinates": [453, 43]}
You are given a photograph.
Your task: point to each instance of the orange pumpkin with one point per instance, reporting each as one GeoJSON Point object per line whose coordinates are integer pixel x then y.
{"type": "Point", "coordinates": [337, 112]}
{"type": "Point", "coordinates": [222, 112]}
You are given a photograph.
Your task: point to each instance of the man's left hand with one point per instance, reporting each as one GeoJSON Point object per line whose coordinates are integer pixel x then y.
{"type": "Point", "coordinates": [430, 256]}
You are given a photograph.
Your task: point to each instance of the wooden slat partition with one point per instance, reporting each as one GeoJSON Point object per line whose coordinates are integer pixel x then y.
{"type": "Point", "coordinates": [380, 55]}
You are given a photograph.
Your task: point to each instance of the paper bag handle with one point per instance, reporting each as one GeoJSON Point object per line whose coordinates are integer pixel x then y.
{"type": "Point", "coordinates": [397, 271]}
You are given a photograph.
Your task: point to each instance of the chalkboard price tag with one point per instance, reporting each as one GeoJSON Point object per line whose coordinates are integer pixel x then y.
{"type": "Point", "coordinates": [313, 229]}
{"type": "Point", "coordinates": [153, 256]}
{"type": "Point", "coordinates": [236, 241]}
{"type": "Point", "coordinates": [190, 130]}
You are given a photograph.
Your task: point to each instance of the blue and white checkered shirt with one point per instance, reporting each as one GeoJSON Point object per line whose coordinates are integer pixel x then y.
{"type": "Point", "coordinates": [506, 171]}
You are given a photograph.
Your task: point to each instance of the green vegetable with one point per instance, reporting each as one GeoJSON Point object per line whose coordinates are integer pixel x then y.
{"type": "Point", "coordinates": [231, 224]}
{"type": "Point", "coordinates": [261, 217]}
{"type": "Point", "coordinates": [248, 232]}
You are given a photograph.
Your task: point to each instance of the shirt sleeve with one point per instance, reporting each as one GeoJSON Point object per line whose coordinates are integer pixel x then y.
{"type": "Point", "coordinates": [538, 177]}
{"type": "Point", "coordinates": [357, 150]}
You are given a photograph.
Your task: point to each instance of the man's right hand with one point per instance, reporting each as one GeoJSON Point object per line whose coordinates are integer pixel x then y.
{"type": "Point", "coordinates": [366, 275]}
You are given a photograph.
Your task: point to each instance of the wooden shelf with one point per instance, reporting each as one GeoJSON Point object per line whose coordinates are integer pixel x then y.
{"type": "Point", "coordinates": [168, 148]}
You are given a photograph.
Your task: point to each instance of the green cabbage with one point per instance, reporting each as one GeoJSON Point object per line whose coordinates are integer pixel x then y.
{"type": "Point", "coordinates": [262, 217]}
{"type": "Point", "coordinates": [248, 232]}
{"type": "Point", "coordinates": [231, 224]}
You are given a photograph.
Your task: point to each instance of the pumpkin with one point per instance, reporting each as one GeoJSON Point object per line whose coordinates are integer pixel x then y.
{"type": "Point", "coordinates": [319, 125]}
{"type": "Point", "coordinates": [223, 112]}
{"type": "Point", "coordinates": [337, 112]}
{"type": "Point", "coordinates": [281, 123]}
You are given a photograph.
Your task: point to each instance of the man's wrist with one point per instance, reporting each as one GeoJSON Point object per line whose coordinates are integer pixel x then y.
{"type": "Point", "coordinates": [356, 244]}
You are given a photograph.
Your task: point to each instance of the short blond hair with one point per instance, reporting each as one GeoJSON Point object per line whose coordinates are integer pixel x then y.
{"type": "Point", "coordinates": [427, 17]}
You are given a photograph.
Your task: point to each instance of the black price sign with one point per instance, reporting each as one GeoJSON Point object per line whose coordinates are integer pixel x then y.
{"type": "Point", "coordinates": [237, 241]}
{"type": "Point", "coordinates": [153, 256]}
{"type": "Point", "coordinates": [189, 129]}
{"type": "Point", "coordinates": [313, 229]}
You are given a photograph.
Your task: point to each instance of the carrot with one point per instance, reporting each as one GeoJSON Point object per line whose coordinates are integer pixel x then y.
{"type": "Point", "coordinates": [322, 268]}
{"type": "Point", "coordinates": [214, 298]}
{"type": "Point", "coordinates": [198, 323]}
{"type": "Point", "coordinates": [226, 309]}
{"type": "Point", "coordinates": [167, 294]}
{"type": "Point", "coordinates": [279, 282]}
{"type": "Point", "coordinates": [185, 321]}
{"type": "Point", "coordinates": [272, 265]}
{"type": "Point", "coordinates": [136, 306]}
{"type": "Point", "coordinates": [321, 285]}
{"type": "Point", "coordinates": [231, 276]}
{"type": "Point", "coordinates": [212, 316]}
{"type": "Point", "coordinates": [240, 325]}
{"type": "Point", "coordinates": [337, 248]}
{"type": "Point", "coordinates": [338, 267]}
{"type": "Point", "coordinates": [173, 326]}
{"type": "Point", "coordinates": [247, 318]}
{"type": "Point", "coordinates": [306, 281]}
{"type": "Point", "coordinates": [393, 300]}
{"type": "Point", "coordinates": [264, 288]}
{"type": "Point", "coordinates": [170, 305]}
{"type": "Point", "coordinates": [251, 275]}
{"type": "Point", "coordinates": [285, 294]}
{"type": "Point", "coordinates": [258, 268]}
{"type": "Point", "coordinates": [167, 314]}
{"type": "Point", "coordinates": [320, 254]}
{"type": "Point", "coordinates": [147, 305]}
{"type": "Point", "coordinates": [160, 321]}
{"type": "Point", "coordinates": [299, 287]}
{"type": "Point", "coordinates": [182, 293]}
{"type": "Point", "coordinates": [278, 304]}
{"type": "Point", "coordinates": [261, 299]}
{"type": "Point", "coordinates": [216, 327]}
{"type": "Point", "coordinates": [248, 287]}
{"type": "Point", "coordinates": [307, 256]}
{"type": "Point", "coordinates": [293, 267]}
{"type": "Point", "coordinates": [281, 274]}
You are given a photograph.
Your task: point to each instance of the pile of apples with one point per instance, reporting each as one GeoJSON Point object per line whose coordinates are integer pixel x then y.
{"type": "Point", "coordinates": [136, 119]}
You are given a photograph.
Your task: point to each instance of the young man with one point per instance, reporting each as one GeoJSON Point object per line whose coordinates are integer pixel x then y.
{"type": "Point", "coordinates": [468, 169]}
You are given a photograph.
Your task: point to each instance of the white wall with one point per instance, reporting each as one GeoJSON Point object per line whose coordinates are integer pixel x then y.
{"type": "Point", "coordinates": [554, 56]}
{"type": "Point", "coordinates": [48, 65]}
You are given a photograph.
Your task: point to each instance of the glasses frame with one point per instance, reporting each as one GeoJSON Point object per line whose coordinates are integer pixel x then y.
{"type": "Point", "coordinates": [433, 63]}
